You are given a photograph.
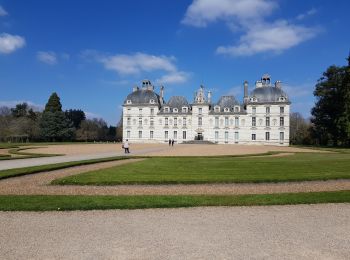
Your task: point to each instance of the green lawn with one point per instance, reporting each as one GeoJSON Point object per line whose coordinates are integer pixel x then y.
{"type": "Point", "coordinates": [193, 170]}
{"type": "Point", "coordinates": [49, 202]}
{"type": "Point", "coordinates": [51, 167]}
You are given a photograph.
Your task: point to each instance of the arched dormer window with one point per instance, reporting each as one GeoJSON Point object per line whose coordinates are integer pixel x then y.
{"type": "Point", "coordinates": [175, 110]}
{"type": "Point", "coordinates": [281, 99]}
{"type": "Point", "coordinates": [152, 101]}
{"type": "Point", "coordinates": [226, 109]}
{"type": "Point", "coordinates": [253, 99]}
{"type": "Point", "coordinates": [128, 102]}
{"type": "Point", "coordinates": [217, 109]}
{"type": "Point", "coordinates": [237, 108]}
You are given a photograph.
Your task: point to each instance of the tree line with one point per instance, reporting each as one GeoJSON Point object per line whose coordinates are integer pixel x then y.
{"type": "Point", "coordinates": [23, 124]}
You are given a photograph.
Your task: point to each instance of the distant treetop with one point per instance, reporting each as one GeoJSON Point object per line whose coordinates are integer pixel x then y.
{"type": "Point", "coordinates": [53, 104]}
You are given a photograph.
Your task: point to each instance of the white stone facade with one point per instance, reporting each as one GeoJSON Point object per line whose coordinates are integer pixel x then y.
{"type": "Point", "coordinates": [262, 118]}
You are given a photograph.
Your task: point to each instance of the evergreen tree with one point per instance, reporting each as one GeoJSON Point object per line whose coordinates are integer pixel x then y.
{"type": "Point", "coordinates": [331, 114]}
{"type": "Point", "coordinates": [53, 104]}
{"type": "Point", "coordinates": [76, 116]}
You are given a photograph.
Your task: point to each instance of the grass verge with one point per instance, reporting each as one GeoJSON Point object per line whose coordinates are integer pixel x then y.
{"type": "Point", "coordinates": [51, 167]}
{"type": "Point", "coordinates": [199, 170]}
{"type": "Point", "coordinates": [63, 203]}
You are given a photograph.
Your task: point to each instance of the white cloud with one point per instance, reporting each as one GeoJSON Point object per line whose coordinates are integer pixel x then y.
{"type": "Point", "coordinates": [10, 43]}
{"type": "Point", "coordinates": [202, 12]}
{"type": "Point", "coordinates": [3, 11]}
{"type": "Point", "coordinates": [275, 37]}
{"type": "Point", "coordinates": [311, 12]}
{"type": "Point", "coordinates": [137, 63]}
{"type": "Point", "coordinates": [48, 57]}
{"type": "Point", "coordinates": [176, 77]}
{"type": "Point", "coordinates": [90, 115]}
{"type": "Point", "coordinates": [249, 18]}
{"type": "Point", "coordinates": [13, 103]}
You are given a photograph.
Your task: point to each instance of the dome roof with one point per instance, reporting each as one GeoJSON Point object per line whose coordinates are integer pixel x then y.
{"type": "Point", "coordinates": [268, 94]}
{"type": "Point", "coordinates": [142, 96]}
{"type": "Point", "coordinates": [177, 102]}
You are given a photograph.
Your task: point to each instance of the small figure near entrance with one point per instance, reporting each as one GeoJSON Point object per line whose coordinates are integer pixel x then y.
{"type": "Point", "coordinates": [172, 142]}
{"type": "Point", "coordinates": [169, 142]}
{"type": "Point", "coordinates": [126, 146]}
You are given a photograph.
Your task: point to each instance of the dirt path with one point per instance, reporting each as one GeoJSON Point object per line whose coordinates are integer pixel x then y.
{"type": "Point", "coordinates": [39, 184]}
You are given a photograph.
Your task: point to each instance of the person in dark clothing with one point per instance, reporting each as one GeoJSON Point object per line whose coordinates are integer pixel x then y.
{"type": "Point", "coordinates": [169, 142]}
{"type": "Point", "coordinates": [172, 142]}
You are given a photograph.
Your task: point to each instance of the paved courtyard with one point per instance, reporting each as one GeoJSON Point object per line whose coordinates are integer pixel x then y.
{"type": "Point", "coordinates": [275, 232]}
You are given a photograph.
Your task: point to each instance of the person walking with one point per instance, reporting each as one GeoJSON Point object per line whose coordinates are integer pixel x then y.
{"type": "Point", "coordinates": [172, 142]}
{"type": "Point", "coordinates": [126, 146]}
{"type": "Point", "coordinates": [169, 142]}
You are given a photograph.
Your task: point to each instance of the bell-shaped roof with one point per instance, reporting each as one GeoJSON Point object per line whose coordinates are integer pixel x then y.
{"type": "Point", "coordinates": [269, 94]}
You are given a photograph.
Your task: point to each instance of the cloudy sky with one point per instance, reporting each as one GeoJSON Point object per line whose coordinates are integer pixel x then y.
{"type": "Point", "coordinates": [93, 52]}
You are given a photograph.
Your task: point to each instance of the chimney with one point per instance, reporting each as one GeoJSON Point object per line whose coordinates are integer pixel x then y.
{"type": "Point", "coordinates": [278, 84]}
{"type": "Point", "coordinates": [245, 98]}
{"type": "Point", "coordinates": [161, 94]}
{"type": "Point", "coordinates": [209, 97]}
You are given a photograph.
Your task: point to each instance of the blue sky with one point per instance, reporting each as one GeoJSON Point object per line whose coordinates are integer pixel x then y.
{"type": "Point", "coordinates": [93, 52]}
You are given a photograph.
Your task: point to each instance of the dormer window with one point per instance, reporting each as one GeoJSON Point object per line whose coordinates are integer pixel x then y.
{"type": "Point", "coordinates": [166, 110]}
{"type": "Point", "coordinates": [253, 99]}
{"type": "Point", "coordinates": [217, 109]}
{"type": "Point", "coordinates": [281, 99]}
{"type": "Point", "coordinates": [128, 101]}
{"type": "Point", "coordinates": [175, 110]}
{"type": "Point", "coordinates": [237, 108]}
{"type": "Point", "coordinates": [226, 109]}
{"type": "Point", "coordinates": [152, 101]}
{"type": "Point", "coordinates": [184, 110]}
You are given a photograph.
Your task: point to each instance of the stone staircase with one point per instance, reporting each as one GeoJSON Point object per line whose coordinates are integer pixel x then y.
{"type": "Point", "coordinates": [197, 142]}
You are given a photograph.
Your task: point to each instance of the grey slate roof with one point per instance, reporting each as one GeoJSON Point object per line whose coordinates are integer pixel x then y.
{"type": "Point", "coordinates": [268, 94]}
{"type": "Point", "coordinates": [142, 96]}
{"type": "Point", "coordinates": [176, 102]}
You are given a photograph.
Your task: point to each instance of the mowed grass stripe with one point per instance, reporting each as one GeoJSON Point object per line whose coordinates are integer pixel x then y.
{"type": "Point", "coordinates": [62, 203]}
{"type": "Point", "coordinates": [188, 170]}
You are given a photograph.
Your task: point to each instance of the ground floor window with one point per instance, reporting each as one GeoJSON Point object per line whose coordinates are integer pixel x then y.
{"type": "Point", "coordinates": [281, 137]}
{"type": "Point", "coordinates": [151, 134]}
{"type": "Point", "coordinates": [236, 137]}
{"type": "Point", "coordinates": [267, 136]}
{"type": "Point", "coordinates": [216, 136]}
{"type": "Point", "coordinates": [226, 137]}
{"type": "Point", "coordinates": [128, 134]}
{"type": "Point", "coordinates": [184, 135]}
{"type": "Point", "coordinates": [175, 134]}
{"type": "Point", "coordinates": [140, 134]}
{"type": "Point", "coordinates": [166, 135]}
{"type": "Point", "coordinates": [253, 137]}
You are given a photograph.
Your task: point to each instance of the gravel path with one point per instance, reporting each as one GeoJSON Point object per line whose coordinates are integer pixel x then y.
{"type": "Point", "coordinates": [274, 232]}
{"type": "Point", "coordinates": [39, 184]}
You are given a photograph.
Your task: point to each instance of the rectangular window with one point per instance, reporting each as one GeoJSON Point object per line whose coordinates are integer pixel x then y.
{"type": "Point", "coordinates": [166, 121]}
{"type": "Point", "coordinates": [267, 121]}
{"type": "Point", "coordinates": [184, 110]}
{"type": "Point", "coordinates": [281, 110]}
{"type": "Point", "coordinates": [199, 121]}
{"type": "Point", "coordinates": [253, 121]}
{"type": "Point", "coordinates": [129, 110]}
{"type": "Point", "coordinates": [140, 111]}
{"type": "Point", "coordinates": [226, 137]}
{"type": "Point", "coordinates": [140, 134]}
{"type": "Point", "coordinates": [253, 137]}
{"type": "Point", "coordinates": [151, 134]}
{"type": "Point", "coordinates": [200, 110]}
{"type": "Point", "coordinates": [216, 136]}
{"type": "Point", "coordinates": [236, 122]}
{"type": "Point", "coordinates": [152, 111]}
{"type": "Point", "coordinates": [129, 121]}
{"type": "Point", "coordinates": [281, 137]}
{"type": "Point", "coordinates": [216, 122]}
{"type": "Point", "coordinates": [254, 110]}
{"type": "Point", "coordinates": [267, 136]}
{"type": "Point", "coordinates": [175, 135]}
{"type": "Point", "coordinates": [166, 135]}
{"type": "Point", "coordinates": [152, 122]}
{"type": "Point", "coordinates": [267, 110]}
{"type": "Point", "coordinates": [226, 121]}
{"type": "Point", "coordinates": [236, 137]}
{"type": "Point", "coordinates": [175, 121]}
{"type": "Point", "coordinates": [184, 121]}
{"type": "Point", "coordinates": [281, 121]}
{"type": "Point", "coordinates": [128, 134]}
{"type": "Point", "coordinates": [140, 121]}
{"type": "Point", "coordinates": [184, 135]}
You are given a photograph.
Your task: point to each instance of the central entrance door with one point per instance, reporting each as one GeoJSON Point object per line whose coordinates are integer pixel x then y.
{"type": "Point", "coordinates": [199, 136]}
